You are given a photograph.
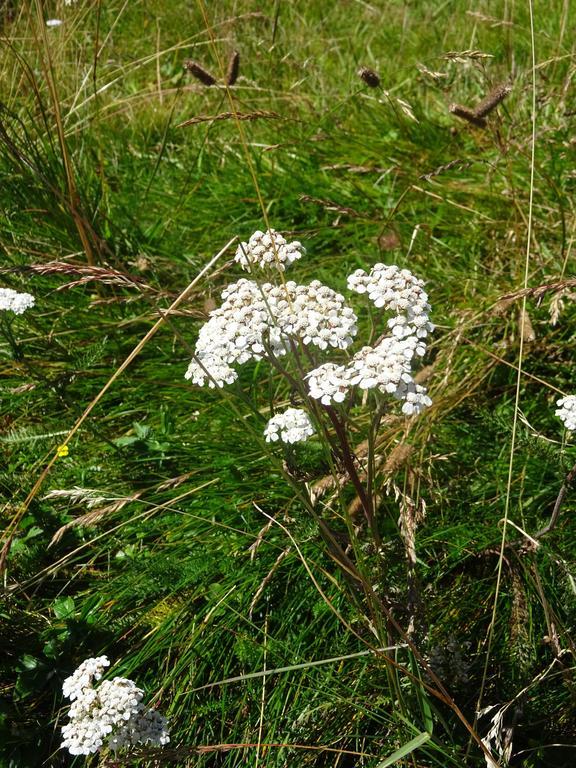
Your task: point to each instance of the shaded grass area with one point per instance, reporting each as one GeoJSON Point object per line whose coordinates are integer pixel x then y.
{"type": "Point", "coordinates": [174, 571]}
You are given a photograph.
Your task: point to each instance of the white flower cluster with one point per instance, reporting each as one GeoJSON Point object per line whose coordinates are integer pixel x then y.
{"type": "Point", "coordinates": [567, 412]}
{"type": "Point", "coordinates": [14, 301]}
{"type": "Point", "coordinates": [89, 670]}
{"type": "Point", "coordinates": [386, 367]}
{"type": "Point", "coordinates": [292, 426]}
{"type": "Point", "coordinates": [255, 320]}
{"type": "Point", "coordinates": [396, 290]}
{"type": "Point", "coordinates": [113, 711]}
{"type": "Point", "coordinates": [265, 320]}
{"type": "Point", "coordinates": [329, 383]}
{"type": "Point", "coordinates": [313, 313]}
{"type": "Point", "coordinates": [268, 249]}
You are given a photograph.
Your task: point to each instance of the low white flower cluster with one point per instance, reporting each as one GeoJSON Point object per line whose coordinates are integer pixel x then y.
{"type": "Point", "coordinates": [112, 712]}
{"type": "Point", "coordinates": [14, 301]}
{"type": "Point", "coordinates": [292, 426]}
{"type": "Point", "coordinates": [259, 320]}
{"type": "Point", "coordinates": [268, 249]}
{"type": "Point", "coordinates": [566, 412]}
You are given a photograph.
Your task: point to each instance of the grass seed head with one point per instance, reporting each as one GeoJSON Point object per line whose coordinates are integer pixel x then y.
{"type": "Point", "coordinates": [370, 77]}
{"type": "Point", "coordinates": [199, 72]}
{"type": "Point", "coordinates": [233, 68]}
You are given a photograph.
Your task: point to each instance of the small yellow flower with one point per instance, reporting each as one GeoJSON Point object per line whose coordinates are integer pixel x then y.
{"type": "Point", "coordinates": [62, 451]}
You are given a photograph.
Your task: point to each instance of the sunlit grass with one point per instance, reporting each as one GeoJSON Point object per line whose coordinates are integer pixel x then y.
{"type": "Point", "coordinates": [164, 579]}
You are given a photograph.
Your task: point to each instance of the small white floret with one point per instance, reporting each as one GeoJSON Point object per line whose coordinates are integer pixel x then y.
{"type": "Point", "coordinates": [566, 412]}
{"type": "Point", "coordinates": [292, 426]}
{"type": "Point", "coordinates": [15, 302]}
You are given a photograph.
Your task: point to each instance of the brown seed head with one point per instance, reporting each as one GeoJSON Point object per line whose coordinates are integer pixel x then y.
{"type": "Point", "coordinates": [495, 97]}
{"type": "Point", "coordinates": [370, 77]}
{"type": "Point", "coordinates": [199, 72]}
{"type": "Point", "coordinates": [233, 68]}
{"type": "Point", "coordinates": [467, 114]}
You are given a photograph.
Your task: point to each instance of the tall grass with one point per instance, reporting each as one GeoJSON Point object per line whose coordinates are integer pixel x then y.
{"type": "Point", "coordinates": [110, 209]}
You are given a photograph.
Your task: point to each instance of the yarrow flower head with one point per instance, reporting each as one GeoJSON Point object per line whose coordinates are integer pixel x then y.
{"type": "Point", "coordinates": [235, 333]}
{"type": "Point", "coordinates": [259, 320]}
{"type": "Point", "coordinates": [268, 249]}
{"type": "Point", "coordinates": [112, 712]}
{"type": "Point", "coordinates": [329, 383]}
{"type": "Point", "coordinates": [292, 426]}
{"type": "Point", "coordinates": [89, 670]}
{"type": "Point", "coordinates": [566, 412]}
{"type": "Point", "coordinates": [386, 367]}
{"type": "Point", "coordinates": [396, 290]}
{"type": "Point", "coordinates": [14, 301]}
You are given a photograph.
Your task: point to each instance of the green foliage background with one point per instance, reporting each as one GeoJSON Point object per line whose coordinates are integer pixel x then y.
{"type": "Point", "coordinates": [96, 170]}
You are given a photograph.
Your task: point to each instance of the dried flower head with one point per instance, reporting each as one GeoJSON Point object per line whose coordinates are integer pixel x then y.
{"type": "Point", "coordinates": [467, 114]}
{"type": "Point", "coordinates": [491, 101]}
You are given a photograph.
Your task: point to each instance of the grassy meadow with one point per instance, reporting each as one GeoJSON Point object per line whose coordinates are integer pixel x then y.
{"type": "Point", "coordinates": [147, 519]}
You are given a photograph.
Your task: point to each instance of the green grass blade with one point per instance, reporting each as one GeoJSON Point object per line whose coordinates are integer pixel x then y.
{"type": "Point", "coordinates": [406, 749]}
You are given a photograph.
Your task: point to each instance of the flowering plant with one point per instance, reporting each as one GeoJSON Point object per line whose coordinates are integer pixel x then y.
{"type": "Point", "coordinates": [112, 711]}
{"type": "Point", "coordinates": [306, 333]}
{"type": "Point", "coordinates": [260, 319]}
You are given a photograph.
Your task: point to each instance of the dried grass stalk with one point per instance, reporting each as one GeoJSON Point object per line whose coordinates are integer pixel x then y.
{"type": "Point", "coordinates": [260, 114]}
{"type": "Point", "coordinates": [469, 54]}
{"type": "Point", "coordinates": [329, 205]}
{"type": "Point", "coordinates": [463, 164]}
{"type": "Point", "coordinates": [536, 293]}
{"type": "Point", "coordinates": [94, 516]}
{"type": "Point", "coordinates": [86, 274]}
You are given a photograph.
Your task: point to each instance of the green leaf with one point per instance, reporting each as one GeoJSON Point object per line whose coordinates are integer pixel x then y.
{"type": "Point", "coordinates": [127, 440]}
{"type": "Point", "coordinates": [409, 747]}
{"type": "Point", "coordinates": [142, 431]}
{"type": "Point", "coordinates": [28, 661]}
{"type": "Point", "coordinates": [63, 607]}
{"type": "Point", "coordinates": [33, 532]}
